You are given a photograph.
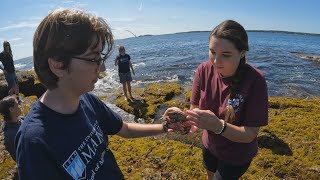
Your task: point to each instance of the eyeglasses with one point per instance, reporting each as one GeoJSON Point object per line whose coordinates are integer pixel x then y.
{"type": "Point", "coordinates": [99, 61]}
{"type": "Point", "coordinates": [6, 45]}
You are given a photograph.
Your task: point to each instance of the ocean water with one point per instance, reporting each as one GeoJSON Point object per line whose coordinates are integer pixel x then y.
{"type": "Point", "coordinates": [174, 57]}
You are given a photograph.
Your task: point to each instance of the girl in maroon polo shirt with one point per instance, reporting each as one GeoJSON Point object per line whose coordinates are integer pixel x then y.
{"type": "Point", "coordinates": [229, 102]}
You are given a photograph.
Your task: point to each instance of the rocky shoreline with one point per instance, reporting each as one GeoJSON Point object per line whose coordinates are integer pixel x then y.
{"type": "Point", "coordinates": [307, 56]}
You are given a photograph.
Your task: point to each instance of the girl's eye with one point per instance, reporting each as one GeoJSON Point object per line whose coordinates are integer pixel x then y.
{"type": "Point", "coordinates": [213, 53]}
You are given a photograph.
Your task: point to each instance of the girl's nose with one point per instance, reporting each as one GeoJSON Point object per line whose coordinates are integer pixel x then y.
{"type": "Point", "coordinates": [217, 59]}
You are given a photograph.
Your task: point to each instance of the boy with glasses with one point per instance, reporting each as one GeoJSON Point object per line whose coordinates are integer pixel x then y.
{"type": "Point", "coordinates": [65, 134]}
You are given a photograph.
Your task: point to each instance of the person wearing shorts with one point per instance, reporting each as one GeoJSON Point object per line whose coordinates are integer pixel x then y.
{"type": "Point", "coordinates": [124, 64]}
{"type": "Point", "coordinates": [8, 69]}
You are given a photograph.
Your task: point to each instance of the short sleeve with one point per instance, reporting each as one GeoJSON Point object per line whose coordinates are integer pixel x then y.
{"type": "Point", "coordinates": [256, 113]}
{"type": "Point", "coordinates": [195, 95]}
{"type": "Point", "coordinates": [109, 121]}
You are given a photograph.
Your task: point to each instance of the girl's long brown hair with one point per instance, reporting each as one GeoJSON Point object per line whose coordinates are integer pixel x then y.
{"type": "Point", "coordinates": [4, 50]}
{"type": "Point", "coordinates": [236, 34]}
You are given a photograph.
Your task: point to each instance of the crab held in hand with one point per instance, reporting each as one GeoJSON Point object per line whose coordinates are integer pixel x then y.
{"type": "Point", "coordinates": [176, 120]}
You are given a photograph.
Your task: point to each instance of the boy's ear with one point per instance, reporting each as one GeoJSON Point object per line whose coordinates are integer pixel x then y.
{"type": "Point", "coordinates": [56, 67]}
{"type": "Point", "coordinates": [11, 109]}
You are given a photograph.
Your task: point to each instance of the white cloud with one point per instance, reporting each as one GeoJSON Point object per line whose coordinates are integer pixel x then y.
{"type": "Point", "coordinates": [81, 5]}
{"type": "Point", "coordinates": [15, 39]}
{"type": "Point", "coordinates": [74, 3]}
{"type": "Point", "coordinates": [174, 17]}
{"type": "Point", "coordinates": [16, 45]}
{"type": "Point", "coordinates": [121, 19]}
{"type": "Point", "coordinates": [18, 25]}
{"type": "Point", "coordinates": [140, 8]}
{"type": "Point", "coordinates": [68, 1]}
{"type": "Point", "coordinates": [10, 40]}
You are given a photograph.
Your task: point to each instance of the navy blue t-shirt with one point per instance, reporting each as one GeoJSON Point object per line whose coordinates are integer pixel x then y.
{"type": "Point", "coordinates": [10, 130]}
{"type": "Point", "coordinates": [51, 145]}
{"type": "Point", "coordinates": [123, 63]}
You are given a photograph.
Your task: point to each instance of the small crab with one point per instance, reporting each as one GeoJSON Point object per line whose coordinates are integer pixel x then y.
{"type": "Point", "coordinates": [175, 119]}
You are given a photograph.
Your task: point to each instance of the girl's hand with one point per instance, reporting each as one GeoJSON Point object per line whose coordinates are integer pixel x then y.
{"type": "Point", "coordinates": [204, 119]}
{"type": "Point", "coordinates": [176, 120]}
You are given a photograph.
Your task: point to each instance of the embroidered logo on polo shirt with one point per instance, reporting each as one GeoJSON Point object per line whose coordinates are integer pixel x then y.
{"type": "Point", "coordinates": [235, 102]}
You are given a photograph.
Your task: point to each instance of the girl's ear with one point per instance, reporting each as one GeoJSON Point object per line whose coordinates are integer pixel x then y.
{"type": "Point", "coordinates": [56, 67]}
{"type": "Point", "coordinates": [242, 53]}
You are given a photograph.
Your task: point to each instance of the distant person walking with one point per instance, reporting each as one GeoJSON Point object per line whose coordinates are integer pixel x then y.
{"type": "Point", "coordinates": [8, 69]}
{"type": "Point", "coordinates": [124, 64]}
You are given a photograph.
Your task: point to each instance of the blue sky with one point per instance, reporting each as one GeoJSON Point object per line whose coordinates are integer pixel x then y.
{"type": "Point", "coordinates": [19, 18]}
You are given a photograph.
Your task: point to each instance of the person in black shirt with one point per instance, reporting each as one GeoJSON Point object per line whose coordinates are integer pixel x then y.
{"type": "Point", "coordinates": [124, 64]}
{"type": "Point", "coordinates": [8, 69]}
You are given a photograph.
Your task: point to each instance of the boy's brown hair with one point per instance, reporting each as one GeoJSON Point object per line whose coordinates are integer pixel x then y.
{"type": "Point", "coordinates": [63, 34]}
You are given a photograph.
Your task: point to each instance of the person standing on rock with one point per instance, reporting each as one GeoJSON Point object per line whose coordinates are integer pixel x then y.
{"type": "Point", "coordinates": [229, 102]}
{"type": "Point", "coordinates": [65, 134]}
{"type": "Point", "coordinates": [8, 69]}
{"type": "Point", "coordinates": [123, 61]}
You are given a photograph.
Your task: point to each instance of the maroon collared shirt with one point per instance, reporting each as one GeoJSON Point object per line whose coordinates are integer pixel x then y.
{"type": "Point", "coordinates": [210, 91]}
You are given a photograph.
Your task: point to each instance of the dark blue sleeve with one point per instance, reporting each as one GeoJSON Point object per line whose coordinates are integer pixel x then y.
{"type": "Point", "coordinates": [109, 121]}
{"type": "Point", "coordinates": [129, 57]}
{"type": "Point", "coordinates": [9, 136]}
{"type": "Point", "coordinates": [33, 159]}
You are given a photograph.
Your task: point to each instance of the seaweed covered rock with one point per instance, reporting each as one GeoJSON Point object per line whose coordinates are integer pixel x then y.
{"type": "Point", "coordinates": [289, 145]}
{"type": "Point", "coordinates": [147, 100]}
{"type": "Point", "coordinates": [28, 84]}
{"type": "Point", "coordinates": [151, 158]}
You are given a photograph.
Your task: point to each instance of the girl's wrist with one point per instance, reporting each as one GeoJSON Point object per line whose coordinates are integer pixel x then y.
{"type": "Point", "coordinates": [222, 127]}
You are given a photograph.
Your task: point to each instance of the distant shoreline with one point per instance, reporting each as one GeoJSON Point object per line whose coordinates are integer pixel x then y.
{"type": "Point", "coordinates": [263, 31]}
{"type": "Point", "coordinates": [267, 31]}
